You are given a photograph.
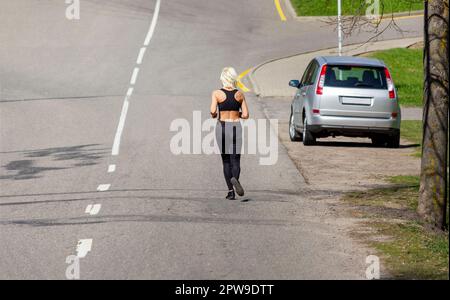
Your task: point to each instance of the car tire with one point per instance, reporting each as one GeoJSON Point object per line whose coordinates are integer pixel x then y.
{"type": "Point", "coordinates": [293, 133]}
{"type": "Point", "coordinates": [394, 141]}
{"type": "Point", "coordinates": [308, 137]}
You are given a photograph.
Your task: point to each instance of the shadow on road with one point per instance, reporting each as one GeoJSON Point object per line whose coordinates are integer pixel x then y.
{"type": "Point", "coordinates": [146, 218]}
{"type": "Point", "coordinates": [79, 156]}
{"type": "Point", "coordinates": [25, 169]}
{"type": "Point", "coordinates": [150, 195]}
{"type": "Point", "coordinates": [358, 144]}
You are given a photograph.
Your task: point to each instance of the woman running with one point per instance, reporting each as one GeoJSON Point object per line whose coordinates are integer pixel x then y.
{"type": "Point", "coordinates": [229, 106]}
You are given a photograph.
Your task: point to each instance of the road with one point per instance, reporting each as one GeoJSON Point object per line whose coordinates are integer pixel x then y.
{"type": "Point", "coordinates": [63, 88]}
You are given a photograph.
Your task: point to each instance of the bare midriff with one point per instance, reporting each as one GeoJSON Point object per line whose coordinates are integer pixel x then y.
{"type": "Point", "coordinates": [229, 116]}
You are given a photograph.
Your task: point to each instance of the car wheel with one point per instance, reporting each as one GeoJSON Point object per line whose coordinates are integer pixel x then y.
{"type": "Point", "coordinates": [293, 133]}
{"type": "Point", "coordinates": [308, 137]}
{"type": "Point", "coordinates": [394, 141]}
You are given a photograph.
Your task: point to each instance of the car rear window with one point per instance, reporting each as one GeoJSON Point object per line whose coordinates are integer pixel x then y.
{"type": "Point", "coordinates": [355, 77]}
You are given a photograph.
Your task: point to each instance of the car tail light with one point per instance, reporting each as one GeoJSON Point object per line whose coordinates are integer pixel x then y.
{"type": "Point", "coordinates": [394, 115]}
{"type": "Point", "coordinates": [321, 82]}
{"type": "Point", "coordinates": [316, 111]}
{"type": "Point", "coordinates": [390, 84]}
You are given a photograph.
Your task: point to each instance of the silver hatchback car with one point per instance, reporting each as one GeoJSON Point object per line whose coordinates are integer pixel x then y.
{"type": "Point", "coordinates": [348, 96]}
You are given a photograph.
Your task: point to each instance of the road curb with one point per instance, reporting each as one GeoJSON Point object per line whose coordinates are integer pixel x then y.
{"type": "Point", "coordinates": [254, 84]}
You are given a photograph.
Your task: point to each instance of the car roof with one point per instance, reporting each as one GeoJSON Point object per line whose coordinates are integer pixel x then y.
{"type": "Point", "coordinates": [350, 60]}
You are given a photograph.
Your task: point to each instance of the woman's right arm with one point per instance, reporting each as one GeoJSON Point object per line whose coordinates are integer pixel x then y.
{"type": "Point", "coordinates": [213, 109]}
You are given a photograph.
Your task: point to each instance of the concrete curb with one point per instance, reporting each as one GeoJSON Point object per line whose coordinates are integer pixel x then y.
{"type": "Point", "coordinates": [255, 86]}
{"type": "Point", "coordinates": [407, 13]}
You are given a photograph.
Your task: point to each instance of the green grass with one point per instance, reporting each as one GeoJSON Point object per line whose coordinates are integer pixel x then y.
{"type": "Point", "coordinates": [414, 252]}
{"type": "Point", "coordinates": [401, 195]}
{"type": "Point", "coordinates": [352, 7]}
{"type": "Point", "coordinates": [408, 181]}
{"type": "Point", "coordinates": [406, 68]}
{"type": "Point", "coordinates": [408, 250]}
{"type": "Point", "coordinates": [411, 130]}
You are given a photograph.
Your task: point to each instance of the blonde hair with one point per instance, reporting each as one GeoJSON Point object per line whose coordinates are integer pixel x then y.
{"type": "Point", "coordinates": [229, 77]}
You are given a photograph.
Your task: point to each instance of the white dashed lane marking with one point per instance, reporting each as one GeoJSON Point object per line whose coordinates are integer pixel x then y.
{"type": "Point", "coordinates": [141, 55]}
{"type": "Point", "coordinates": [93, 209]}
{"type": "Point", "coordinates": [130, 92]}
{"type": "Point", "coordinates": [142, 51]}
{"type": "Point", "coordinates": [84, 246]}
{"type": "Point", "coordinates": [103, 187]}
{"type": "Point", "coordinates": [134, 76]}
{"type": "Point", "coordinates": [123, 116]}
{"type": "Point", "coordinates": [111, 168]}
{"type": "Point", "coordinates": [151, 30]}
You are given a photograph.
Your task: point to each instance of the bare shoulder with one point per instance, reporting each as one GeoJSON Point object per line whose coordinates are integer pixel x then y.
{"type": "Point", "coordinates": [218, 95]}
{"type": "Point", "coordinates": [239, 96]}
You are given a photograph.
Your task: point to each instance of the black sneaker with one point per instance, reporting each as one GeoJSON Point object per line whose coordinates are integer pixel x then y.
{"type": "Point", "coordinates": [237, 186]}
{"type": "Point", "coordinates": [231, 196]}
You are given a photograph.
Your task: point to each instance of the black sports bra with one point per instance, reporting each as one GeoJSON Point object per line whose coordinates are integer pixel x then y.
{"type": "Point", "coordinates": [230, 103]}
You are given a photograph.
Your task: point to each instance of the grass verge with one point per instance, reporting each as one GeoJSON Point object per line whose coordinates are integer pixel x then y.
{"type": "Point", "coordinates": [406, 66]}
{"type": "Point", "coordinates": [411, 130]}
{"type": "Point", "coordinates": [407, 248]}
{"type": "Point", "coordinates": [351, 7]}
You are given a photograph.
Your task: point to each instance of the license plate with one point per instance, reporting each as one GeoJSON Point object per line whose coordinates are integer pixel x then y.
{"type": "Point", "coordinates": [356, 101]}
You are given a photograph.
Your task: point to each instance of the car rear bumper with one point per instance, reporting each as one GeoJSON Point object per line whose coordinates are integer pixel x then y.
{"type": "Point", "coordinates": [353, 126]}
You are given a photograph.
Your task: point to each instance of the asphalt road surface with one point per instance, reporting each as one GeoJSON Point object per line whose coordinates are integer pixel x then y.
{"type": "Point", "coordinates": [67, 96]}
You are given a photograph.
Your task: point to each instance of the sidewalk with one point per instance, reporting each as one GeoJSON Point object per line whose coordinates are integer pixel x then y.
{"type": "Point", "coordinates": [271, 78]}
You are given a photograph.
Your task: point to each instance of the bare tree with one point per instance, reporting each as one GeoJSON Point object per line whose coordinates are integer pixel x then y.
{"type": "Point", "coordinates": [364, 18]}
{"type": "Point", "coordinates": [434, 166]}
{"type": "Point", "coordinates": [434, 169]}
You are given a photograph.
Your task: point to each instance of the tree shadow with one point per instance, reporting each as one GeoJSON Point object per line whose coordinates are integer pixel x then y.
{"type": "Point", "coordinates": [359, 145]}
{"type": "Point", "coordinates": [24, 170]}
{"type": "Point", "coordinates": [79, 156]}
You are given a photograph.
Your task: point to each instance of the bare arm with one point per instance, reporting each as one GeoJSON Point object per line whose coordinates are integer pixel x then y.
{"type": "Point", "coordinates": [213, 109]}
{"type": "Point", "coordinates": [241, 98]}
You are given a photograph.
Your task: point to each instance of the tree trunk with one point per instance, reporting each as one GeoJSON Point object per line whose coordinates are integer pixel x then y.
{"type": "Point", "coordinates": [434, 177]}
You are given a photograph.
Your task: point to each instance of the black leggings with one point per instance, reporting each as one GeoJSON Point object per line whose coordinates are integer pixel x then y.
{"type": "Point", "coordinates": [229, 139]}
{"type": "Point", "coordinates": [231, 168]}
